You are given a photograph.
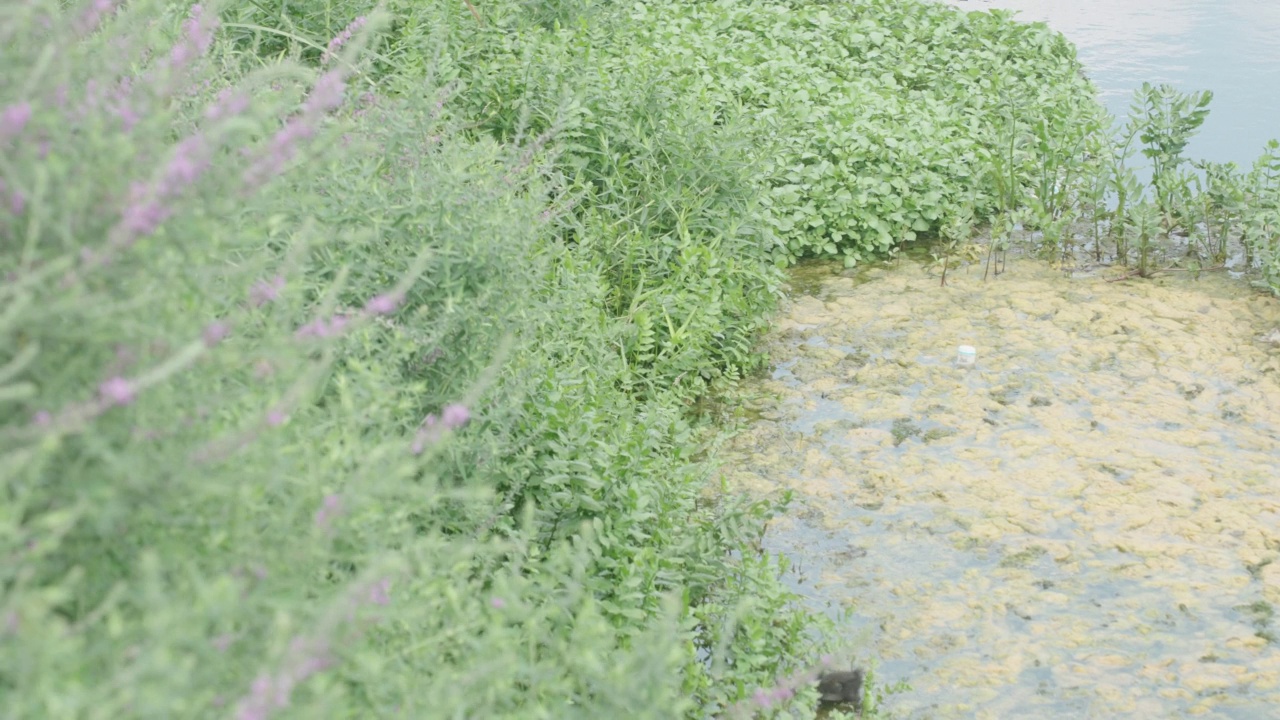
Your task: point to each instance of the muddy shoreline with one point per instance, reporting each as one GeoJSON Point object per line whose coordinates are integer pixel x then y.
{"type": "Point", "coordinates": [1086, 523]}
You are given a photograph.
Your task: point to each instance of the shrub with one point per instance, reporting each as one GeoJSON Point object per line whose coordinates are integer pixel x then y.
{"type": "Point", "coordinates": [305, 410]}
{"type": "Point", "coordinates": [875, 121]}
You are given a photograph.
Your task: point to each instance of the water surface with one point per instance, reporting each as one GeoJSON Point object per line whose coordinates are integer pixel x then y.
{"type": "Point", "coordinates": [1231, 47]}
{"type": "Point", "coordinates": [1084, 525]}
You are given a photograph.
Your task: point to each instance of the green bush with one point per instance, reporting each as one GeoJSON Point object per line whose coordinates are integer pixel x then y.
{"type": "Point", "coordinates": [307, 410]}
{"type": "Point", "coordinates": [875, 120]}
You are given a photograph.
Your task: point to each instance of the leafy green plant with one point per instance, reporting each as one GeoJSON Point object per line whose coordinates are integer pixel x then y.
{"type": "Point", "coordinates": [1165, 121]}
{"type": "Point", "coordinates": [1261, 217]}
{"type": "Point", "coordinates": [872, 120]}
{"type": "Point", "coordinates": [1142, 226]}
{"type": "Point", "coordinates": [1220, 199]}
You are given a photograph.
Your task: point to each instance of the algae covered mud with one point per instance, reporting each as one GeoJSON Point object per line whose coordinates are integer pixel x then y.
{"type": "Point", "coordinates": [1084, 524]}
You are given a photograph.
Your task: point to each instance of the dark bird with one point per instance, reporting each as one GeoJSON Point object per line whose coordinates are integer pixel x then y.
{"type": "Point", "coordinates": [843, 687]}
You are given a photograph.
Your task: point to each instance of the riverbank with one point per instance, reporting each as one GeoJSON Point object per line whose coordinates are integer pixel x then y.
{"type": "Point", "coordinates": [1083, 523]}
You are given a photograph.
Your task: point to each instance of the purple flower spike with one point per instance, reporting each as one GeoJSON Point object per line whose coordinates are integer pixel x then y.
{"type": "Point", "coordinates": [144, 213]}
{"type": "Point", "coordinates": [13, 119]}
{"type": "Point", "coordinates": [341, 39]}
{"type": "Point", "coordinates": [198, 30]}
{"type": "Point", "coordinates": [322, 328]}
{"type": "Point", "coordinates": [384, 304]}
{"type": "Point", "coordinates": [94, 14]}
{"type": "Point", "coordinates": [266, 291]}
{"type": "Point", "coordinates": [215, 332]}
{"type": "Point", "coordinates": [230, 103]}
{"type": "Point", "coordinates": [763, 698]}
{"type": "Point", "coordinates": [455, 416]}
{"type": "Point", "coordinates": [189, 160]}
{"type": "Point", "coordinates": [327, 94]}
{"type": "Point", "coordinates": [117, 391]}
{"type": "Point", "coordinates": [330, 508]}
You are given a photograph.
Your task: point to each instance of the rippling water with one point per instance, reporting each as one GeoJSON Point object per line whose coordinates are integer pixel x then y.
{"type": "Point", "coordinates": [1231, 47]}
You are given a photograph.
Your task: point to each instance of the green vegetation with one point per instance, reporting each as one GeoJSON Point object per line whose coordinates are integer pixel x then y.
{"type": "Point", "coordinates": [348, 356]}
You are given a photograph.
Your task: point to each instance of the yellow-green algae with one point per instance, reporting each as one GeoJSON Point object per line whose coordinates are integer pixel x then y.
{"type": "Point", "coordinates": [1085, 524]}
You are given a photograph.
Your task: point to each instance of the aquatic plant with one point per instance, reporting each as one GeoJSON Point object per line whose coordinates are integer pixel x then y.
{"type": "Point", "coordinates": [1261, 216]}
{"type": "Point", "coordinates": [1219, 199]}
{"type": "Point", "coordinates": [1166, 120]}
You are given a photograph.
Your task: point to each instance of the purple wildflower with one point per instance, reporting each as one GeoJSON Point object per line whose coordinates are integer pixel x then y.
{"type": "Point", "coordinates": [280, 150]}
{"type": "Point", "coordinates": [13, 119]}
{"type": "Point", "coordinates": [190, 159]}
{"type": "Point", "coordinates": [198, 32]}
{"type": "Point", "coordinates": [144, 213]}
{"type": "Point", "coordinates": [215, 332]}
{"type": "Point", "coordinates": [307, 657]}
{"type": "Point", "coordinates": [498, 603]}
{"type": "Point", "coordinates": [276, 417]}
{"type": "Point", "coordinates": [455, 416]}
{"type": "Point", "coordinates": [323, 328]}
{"type": "Point", "coordinates": [432, 428]}
{"type": "Point", "coordinates": [326, 95]}
{"type": "Point", "coordinates": [341, 39]}
{"type": "Point", "coordinates": [330, 508]}
{"type": "Point", "coordinates": [123, 108]}
{"type": "Point", "coordinates": [17, 202]}
{"type": "Point", "coordinates": [42, 418]}
{"type": "Point", "coordinates": [117, 391]}
{"type": "Point", "coordinates": [266, 291]}
{"type": "Point", "coordinates": [228, 104]}
{"type": "Point", "coordinates": [763, 698]}
{"type": "Point", "coordinates": [92, 16]}
{"type": "Point", "coordinates": [384, 304]}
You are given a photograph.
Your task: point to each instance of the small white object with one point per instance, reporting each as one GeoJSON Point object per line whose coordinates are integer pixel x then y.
{"type": "Point", "coordinates": [967, 356]}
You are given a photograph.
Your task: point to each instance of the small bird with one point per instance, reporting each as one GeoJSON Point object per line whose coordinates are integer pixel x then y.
{"type": "Point", "coordinates": [842, 687]}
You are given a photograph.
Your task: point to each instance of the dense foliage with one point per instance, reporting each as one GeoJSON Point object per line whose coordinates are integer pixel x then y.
{"type": "Point", "coordinates": [347, 357]}
{"type": "Point", "coordinates": [874, 121]}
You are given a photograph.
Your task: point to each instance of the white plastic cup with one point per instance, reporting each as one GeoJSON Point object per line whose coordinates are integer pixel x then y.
{"type": "Point", "coordinates": [966, 356]}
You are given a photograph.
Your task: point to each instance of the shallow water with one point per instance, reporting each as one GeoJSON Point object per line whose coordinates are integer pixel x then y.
{"type": "Point", "coordinates": [1085, 524]}
{"type": "Point", "coordinates": [1229, 46]}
